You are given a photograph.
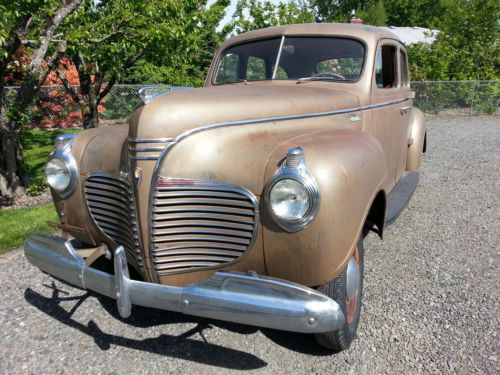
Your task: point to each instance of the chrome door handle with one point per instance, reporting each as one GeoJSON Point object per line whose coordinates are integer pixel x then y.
{"type": "Point", "coordinates": [354, 118]}
{"type": "Point", "coordinates": [406, 108]}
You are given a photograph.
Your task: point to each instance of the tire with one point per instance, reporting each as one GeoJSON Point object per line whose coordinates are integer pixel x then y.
{"type": "Point", "coordinates": [336, 289]}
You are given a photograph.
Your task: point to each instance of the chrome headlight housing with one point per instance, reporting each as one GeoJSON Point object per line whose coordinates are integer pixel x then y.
{"type": "Point", "coordinates": [60, 170]}
{"type": "Point", "coordinates": [292, 196]}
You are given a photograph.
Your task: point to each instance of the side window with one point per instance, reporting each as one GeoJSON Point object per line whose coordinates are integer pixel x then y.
{"type": "Point", "coordinates": [228, 68]}
{"type": "Point", "coordinates": [256, 68]}
{"type": "Point", "coordinates": [386, 67]}
{"type": "Point", "coordinates": [405, 81]}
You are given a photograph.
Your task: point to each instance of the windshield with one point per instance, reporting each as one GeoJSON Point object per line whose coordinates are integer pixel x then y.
{"type": "Point", "coordinates": [299, 58]}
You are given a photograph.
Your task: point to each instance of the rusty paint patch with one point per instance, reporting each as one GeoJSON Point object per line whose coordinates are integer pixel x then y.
{"type": "Point", "coordinates": [258, 136]}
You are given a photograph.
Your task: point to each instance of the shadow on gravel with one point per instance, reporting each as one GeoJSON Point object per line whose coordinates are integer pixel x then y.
{"type": "Point", "coordinates": [181, 346]}
{"type": "Point", "coordinates": [147, 317]}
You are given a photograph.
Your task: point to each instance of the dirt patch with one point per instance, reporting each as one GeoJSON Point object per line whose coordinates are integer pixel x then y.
{"type": "Point", "coordinates": [26, 201]}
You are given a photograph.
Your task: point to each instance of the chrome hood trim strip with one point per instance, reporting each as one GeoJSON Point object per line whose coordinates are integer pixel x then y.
{"type": "Point", "coordinates": [149, 140]}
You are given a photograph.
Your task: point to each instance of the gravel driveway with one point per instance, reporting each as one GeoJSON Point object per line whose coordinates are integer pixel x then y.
{"type": "Point", "coordinates": [431, 294]}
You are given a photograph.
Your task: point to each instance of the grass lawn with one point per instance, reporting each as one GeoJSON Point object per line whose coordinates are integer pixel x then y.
{"type": "Point", "coordinates": [37, 146]}
{"type": "Point", "coordinates": [16, 224]}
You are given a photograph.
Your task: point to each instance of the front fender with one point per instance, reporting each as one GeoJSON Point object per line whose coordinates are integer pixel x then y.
{"type": "Point", "coordinates": [418, 137]}
{"type": "Point", "coordinates": [349, 167]}
{"type": "Point", "coordinates": [98, 149]}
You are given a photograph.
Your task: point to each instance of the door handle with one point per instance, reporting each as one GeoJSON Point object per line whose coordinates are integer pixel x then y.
{"type": "Point", "coordinates": [354, 118]}
{"type": "Point", "coordinates": [405, 109]}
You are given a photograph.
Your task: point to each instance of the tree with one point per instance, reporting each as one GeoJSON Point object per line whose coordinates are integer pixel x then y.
{"type": "Point", "coordinates": [186, 66]}
{"type": "Point", "coordinates": [423, 13]}
{"type": "Point", "coordinates": [106, 38]}
{"type": "Point", "coordinates": [32, 24]}
{"type": "Point", "coordinates": [466, 47]}
{"type": "Point", "coordinates": [335, 10]}
{"type": "Point", "coordinates": [374, 14]}
{"type": "Point", "coordinates": [256, 14]}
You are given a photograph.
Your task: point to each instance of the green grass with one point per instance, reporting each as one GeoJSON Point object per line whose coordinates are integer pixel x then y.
{"type": "Point", "coordinates": [37, 145]}
{"type": "Point", "coordinates": [17, 224]}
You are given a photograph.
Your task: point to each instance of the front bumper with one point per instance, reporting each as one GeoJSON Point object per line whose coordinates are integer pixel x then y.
{"type": "Point", "coordinates": [231, 296]}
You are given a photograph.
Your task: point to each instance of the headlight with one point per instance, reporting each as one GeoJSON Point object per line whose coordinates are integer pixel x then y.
{"type": "Point", "coordinates": [292, 195]}
{"type": "Point", "coordinates": [289, 199]}
{"type": "Point", "coordinates": [58, 174]}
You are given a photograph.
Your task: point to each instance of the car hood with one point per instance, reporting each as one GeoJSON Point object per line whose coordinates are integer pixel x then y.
{"type": "Point", "coordinates": [171, 114]}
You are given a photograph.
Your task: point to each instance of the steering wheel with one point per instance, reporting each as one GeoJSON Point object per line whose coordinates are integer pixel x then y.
{"type": "Point", "coordinates": [333, 75]}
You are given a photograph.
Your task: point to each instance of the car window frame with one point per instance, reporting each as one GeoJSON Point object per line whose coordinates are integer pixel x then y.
{"type": "Point", "coordinates": [221, 53]}
{"type": "Point", "coordinates": [403, 51]}
{"type": "Point", "coordinates": [396, 45]}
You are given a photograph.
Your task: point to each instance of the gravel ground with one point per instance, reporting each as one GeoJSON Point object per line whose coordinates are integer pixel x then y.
{"type": "Point", "coordinates": [431, 295]}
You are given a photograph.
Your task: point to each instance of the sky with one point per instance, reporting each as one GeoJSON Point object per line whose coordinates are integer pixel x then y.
{"type": "Point", "coordinates": [230, 10]}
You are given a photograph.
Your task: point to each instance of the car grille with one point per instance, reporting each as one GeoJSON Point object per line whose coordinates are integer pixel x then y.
{"type": "Point", "coordinates": [110, 202]}
{"type": "Point", "coordinates": [200, 224]}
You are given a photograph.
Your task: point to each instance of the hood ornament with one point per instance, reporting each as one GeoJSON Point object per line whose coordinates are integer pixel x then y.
{"type": "Point", "coordinates": [148, 93]}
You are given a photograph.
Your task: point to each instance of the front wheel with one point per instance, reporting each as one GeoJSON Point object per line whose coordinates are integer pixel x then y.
{"type": "Point", "coordinates": [347, 291]}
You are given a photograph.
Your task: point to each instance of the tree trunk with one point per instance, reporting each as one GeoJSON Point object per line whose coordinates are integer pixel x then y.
{"type": "Point", "coordinates": [12, 176]}
{"type": "Point", "coordinates": [90, 115]}
{"type": "Point", "coordinates": [12, 179]}
{"type": "Point", "coordinates": [88, 102]}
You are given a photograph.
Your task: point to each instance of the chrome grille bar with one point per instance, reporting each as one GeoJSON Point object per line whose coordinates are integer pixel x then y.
{"type": "Point", "coordinates": [110, 203]}
{"type": "Point", "coordinates": [200, 225]}
{"type": "Point", "coordinates": [146, 148]}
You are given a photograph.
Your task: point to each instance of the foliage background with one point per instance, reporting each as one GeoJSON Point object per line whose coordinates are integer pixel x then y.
{"type": "Point", "coordinates": [98, 44]}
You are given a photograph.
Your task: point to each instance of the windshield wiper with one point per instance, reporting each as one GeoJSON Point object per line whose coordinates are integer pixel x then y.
{"type": "Point", "coordinates": [308, 79]}
{"type": "Point", "coordinates": [238, 80]}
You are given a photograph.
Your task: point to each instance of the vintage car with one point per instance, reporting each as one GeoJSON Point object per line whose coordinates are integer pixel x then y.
{"type": "Point", "coordinates": [246, 200]}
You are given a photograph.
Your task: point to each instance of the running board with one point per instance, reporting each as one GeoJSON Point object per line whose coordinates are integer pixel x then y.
{"type": "Point", "coordinates": [399, 197]}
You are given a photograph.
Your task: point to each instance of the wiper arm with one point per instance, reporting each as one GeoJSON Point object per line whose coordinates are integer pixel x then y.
{"type": "Point", "coordinates": [237, 80]}
{"type": "Point", "coordinates": [308, 79]}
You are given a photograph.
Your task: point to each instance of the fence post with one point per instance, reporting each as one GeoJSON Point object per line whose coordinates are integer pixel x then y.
{"type": "Point", "coordinates": [473, 97]}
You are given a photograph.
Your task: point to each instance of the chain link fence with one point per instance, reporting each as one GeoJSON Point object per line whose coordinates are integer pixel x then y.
{"type": "Point", "coordinates": [457, 97]}
{"type": "Point", "coordinates": [54, 108]}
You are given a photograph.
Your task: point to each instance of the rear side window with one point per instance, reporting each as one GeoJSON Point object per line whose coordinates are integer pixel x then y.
{"type": "Point", "coordinates": [386, 68]}
{"type": "Point", "coordinates": [405, 81]}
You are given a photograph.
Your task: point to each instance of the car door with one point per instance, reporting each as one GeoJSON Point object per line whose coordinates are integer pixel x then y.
{"type": "Point", "coordinates": [402, 140]}
{"type": "Point", "coordinates": [387, 99]}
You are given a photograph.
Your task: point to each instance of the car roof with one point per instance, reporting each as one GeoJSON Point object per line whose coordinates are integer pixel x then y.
{"type": "Point", "coordinates": [366, 33]}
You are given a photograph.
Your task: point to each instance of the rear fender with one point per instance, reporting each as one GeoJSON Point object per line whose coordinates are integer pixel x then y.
{"type": "Point", "coordinates": [417, 142]}
{"type": "Point", "coordinates": [349, 168]}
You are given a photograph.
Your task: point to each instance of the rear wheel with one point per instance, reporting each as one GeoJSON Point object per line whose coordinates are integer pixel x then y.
{"type": "Point", "coordinates": [347, 291]}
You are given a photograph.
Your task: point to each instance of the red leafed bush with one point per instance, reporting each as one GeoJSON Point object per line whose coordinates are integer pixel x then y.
{"type": "Point", "coordinates": [55, 108]}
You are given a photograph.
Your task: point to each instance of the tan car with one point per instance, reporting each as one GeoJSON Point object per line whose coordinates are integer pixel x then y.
{"type": "Point", "coordinates": [246, 200]}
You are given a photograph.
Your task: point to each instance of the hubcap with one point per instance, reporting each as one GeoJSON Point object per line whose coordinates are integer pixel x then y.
{"type": "Point", "coordinates": [353, 277]}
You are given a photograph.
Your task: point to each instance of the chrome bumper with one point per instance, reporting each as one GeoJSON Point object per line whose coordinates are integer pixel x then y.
{"type": "Point", "coordinates": [231, 296]}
